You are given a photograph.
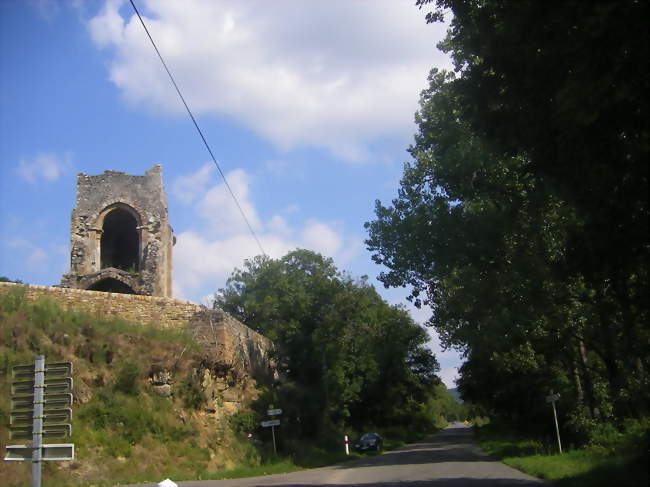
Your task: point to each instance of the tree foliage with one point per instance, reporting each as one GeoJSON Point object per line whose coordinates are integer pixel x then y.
{"type": "Point", "coordinates": [522, 219]}
{"type": "Point", "coordinates": [347, 356]}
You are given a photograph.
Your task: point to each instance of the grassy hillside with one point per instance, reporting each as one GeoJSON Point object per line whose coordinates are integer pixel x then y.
{"type": "Point", "coordinates": [455, 394]}
{"type": "Point", "coordinates": [123, 430]}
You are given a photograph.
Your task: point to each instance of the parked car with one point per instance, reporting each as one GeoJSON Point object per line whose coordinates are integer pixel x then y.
{"type": "Point", "coordinates": [369, 441]}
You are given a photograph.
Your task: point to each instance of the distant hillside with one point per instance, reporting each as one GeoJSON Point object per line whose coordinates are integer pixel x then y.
{"type": "Point", "coordinates": [455, 394]}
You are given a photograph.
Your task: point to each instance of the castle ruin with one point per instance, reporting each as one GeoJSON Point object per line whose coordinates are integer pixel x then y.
{"type": "Point", "coordinates": [121, 240]}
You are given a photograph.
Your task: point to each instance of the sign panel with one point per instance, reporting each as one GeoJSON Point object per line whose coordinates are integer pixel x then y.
{"type": "Point", "coordinates": [52, 386]}
{"type": "Point", "coordinates": [273, 422]}
{"type": "Point", "coordinates": [50, 431]}
{"type": "Point", "coordinates": [52, 452]}
{"type": "Point", "coordinates": [50, 401]}
{"type": "Point", "coordinates": [52, 371]}
{"type": "Point", "coordinates": [274, 412]}
{"type": "Point", "coordinates": [552, 398]}
{"type": "Point", "coordinates": [52, 416]}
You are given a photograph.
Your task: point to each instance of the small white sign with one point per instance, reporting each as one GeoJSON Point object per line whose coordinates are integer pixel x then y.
{"type": "Point", "coordinates": [50, 452]}
{"type": "Point", "coordinates": [274, 412]}
{"type": "Point", "coordinates": [273, 422]}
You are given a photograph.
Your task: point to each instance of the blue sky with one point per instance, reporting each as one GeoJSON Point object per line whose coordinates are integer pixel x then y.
{"type": "Point", "coordinates": [308, 106]}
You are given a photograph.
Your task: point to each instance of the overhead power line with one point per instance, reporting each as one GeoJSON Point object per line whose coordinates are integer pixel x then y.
{"type": "Point", "coordinates": [198, 129]}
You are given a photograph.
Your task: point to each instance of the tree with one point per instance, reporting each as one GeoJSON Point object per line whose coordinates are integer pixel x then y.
{"type": "Point", "coordinates": [351, 359]}
{"type": "Point", "coordinates": [503, 222]}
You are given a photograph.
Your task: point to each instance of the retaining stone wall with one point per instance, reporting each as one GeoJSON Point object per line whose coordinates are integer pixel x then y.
{"type": "Point", "coordinates": [146, 310]}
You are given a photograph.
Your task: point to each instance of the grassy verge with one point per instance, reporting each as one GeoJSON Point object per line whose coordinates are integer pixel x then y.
{"type": "Point", "coordinates": [620, 461]}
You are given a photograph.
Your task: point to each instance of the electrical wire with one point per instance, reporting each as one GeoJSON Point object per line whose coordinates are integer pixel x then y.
{"type": "Point", "coordinates": [198, 129]}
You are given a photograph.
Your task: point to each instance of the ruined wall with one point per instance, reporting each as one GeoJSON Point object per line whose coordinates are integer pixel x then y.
{"type": "Point", "coordinates": [141, 203]}
{"type": "Point", "coordinates": [224, 339]}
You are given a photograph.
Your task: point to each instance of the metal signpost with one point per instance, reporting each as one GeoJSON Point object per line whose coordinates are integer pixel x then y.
{"type": "Point", "coordinates": [552, 398]}
{"type": "Point", "coordinates": [272, 424]}
{"type": "Point", "coordinates": [41, 396]}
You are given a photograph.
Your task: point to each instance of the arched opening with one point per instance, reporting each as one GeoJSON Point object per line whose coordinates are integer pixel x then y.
{"type": "Point", "coordinates": [111, 285]}
{"type": "Point", "coordinates": [120, 243]}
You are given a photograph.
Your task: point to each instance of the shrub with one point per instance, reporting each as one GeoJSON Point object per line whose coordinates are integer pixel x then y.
{"type": "Point", "coordinates": [127, 379]}
{"type": "Point", "coordinates": [192, 394]}
{"type": "Point", "coordinates": [244, 421]}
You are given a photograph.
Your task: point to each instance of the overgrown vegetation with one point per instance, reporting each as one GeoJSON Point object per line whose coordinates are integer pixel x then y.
{"type": "Point", "coordinates": [119, 424]}
{"type": "Point", "coordinates": [350, 360]}
{"type": "Point", "coordinates": [522, 217]}
{"type": "Point", "coordinates": [613, 456]}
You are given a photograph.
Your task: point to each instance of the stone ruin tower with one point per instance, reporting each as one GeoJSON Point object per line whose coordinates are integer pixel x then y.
{"type": "Point", "coordinates": [121, 240]}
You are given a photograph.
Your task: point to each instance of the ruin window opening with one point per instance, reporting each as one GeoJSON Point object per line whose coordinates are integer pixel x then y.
{"type": "Point", "coordinates": [111, 285]}
{"type": "Point", "coordinates": [120, 242]}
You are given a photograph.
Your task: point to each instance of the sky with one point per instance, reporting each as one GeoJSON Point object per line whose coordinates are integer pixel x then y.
{"type": "Point", "coordinates": [308, 107]}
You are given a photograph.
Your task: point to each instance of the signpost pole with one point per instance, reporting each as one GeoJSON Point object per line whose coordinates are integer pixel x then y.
{"type": "Point", "coordinates": [37, 424]}
{"type": "Point", "coordinates": [557, 429]}
{"type": "Point", "coordinates": [275, 451]}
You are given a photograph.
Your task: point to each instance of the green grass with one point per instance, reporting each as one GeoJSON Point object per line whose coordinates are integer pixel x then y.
{"type": "Point", "coordinates": [622, 462]}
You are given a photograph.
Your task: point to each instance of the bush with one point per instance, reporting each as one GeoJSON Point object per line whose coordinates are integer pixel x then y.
{"type": "Point", "coordinates": [127, 379]}
{"type": "Point", "coordinates": [192, 394]}
{"type": "Point", "coordinates": [244, 421]}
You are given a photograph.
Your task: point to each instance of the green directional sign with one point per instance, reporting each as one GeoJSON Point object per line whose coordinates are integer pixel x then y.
{"type": "Point", "coordinates": [52, 371]}
{"type": "Point", "coordinates": [50, 431]}
{"type": "Point", "coordinates": [54, 386]}
{"type": "Point", "coordinates": [50, 401]}
{"type": "Point", "coordinates": [52, 416]}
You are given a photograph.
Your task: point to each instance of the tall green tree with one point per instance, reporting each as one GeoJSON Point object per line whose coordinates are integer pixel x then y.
{"type": "Point", "coordinates": [520, 218]}
{"type": "Point", "coordinates": [349, 358]}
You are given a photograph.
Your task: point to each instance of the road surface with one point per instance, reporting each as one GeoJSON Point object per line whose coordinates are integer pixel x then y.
{"type": "Point", "coordinates": [449, 458]}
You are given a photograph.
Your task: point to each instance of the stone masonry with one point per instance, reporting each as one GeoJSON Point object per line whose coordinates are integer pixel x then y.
{"type": "Point", "coordinates": [224, 339]}
{"type": "Point", "coordinates": [121, 240]}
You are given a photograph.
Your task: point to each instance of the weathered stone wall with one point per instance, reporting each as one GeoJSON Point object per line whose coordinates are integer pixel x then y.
{"type": "Point", "coordinates": [146, 310]}
{"type": "Point", "coordinates": [224, 339]}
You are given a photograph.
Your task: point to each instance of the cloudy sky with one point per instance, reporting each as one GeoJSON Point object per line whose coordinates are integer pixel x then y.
{"type": "Point", "coordinates": [308, 106]}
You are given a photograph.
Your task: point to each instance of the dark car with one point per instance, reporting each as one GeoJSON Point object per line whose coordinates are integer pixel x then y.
{"type": "Point", "coordinates": [369, 441]}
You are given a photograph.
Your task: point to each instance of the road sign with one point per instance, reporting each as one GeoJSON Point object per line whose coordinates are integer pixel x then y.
{"type": "Point", "coordinates": [50, 431]}
{"type": "Point", "coordinates": [41, 396]}
{"type": "Point", "coordinates": [552, 398]}
{"type": "Point", "coordinates": [52, 386]}
{"type": "Point", "coordinates": [274, 412]}
{"type": "Point", "coordinates": [273, 422]}
{"type": "Point", "coordinates": [52, 416]}
{"type": "Point", "coordinates": [50, 401]}
{"type": "Point", "coordinates": [52, 371]}
{"type": "Point", "coordinates": [51, 452]}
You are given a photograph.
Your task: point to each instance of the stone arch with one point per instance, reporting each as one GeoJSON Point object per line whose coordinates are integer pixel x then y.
{"type": "Point", "coordinates": [111, 285]}
{"type": "Point", "coordinates": [119, 243]}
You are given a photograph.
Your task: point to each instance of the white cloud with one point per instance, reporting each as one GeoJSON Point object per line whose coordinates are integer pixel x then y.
{"type": "Point", "coordinates": [329, 74]}
{"type": "Point", "coordinates": [34, 257]}
{"type": "Point", "coordinates": [219, 210]}
{"type": "Point", "coordinates": [44, 167]}
{"type": "Point", "coordinates": [320, 237]}
{"type": "Point", "coordinates": [187, 188]}
{"type": "Point", "coordinates": [206, 255]}
{"type": "Point", "coordinates": [448, 376]}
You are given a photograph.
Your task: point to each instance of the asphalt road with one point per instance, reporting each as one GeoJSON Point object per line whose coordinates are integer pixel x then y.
{"type": "Point", "coordinates": [450, 458]}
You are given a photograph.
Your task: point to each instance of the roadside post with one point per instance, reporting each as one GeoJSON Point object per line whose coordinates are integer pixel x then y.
{"type": "Point", "coordinates": [347, 445]}
{"type": "Point", "coordinates": [41, 396]}
{"type": "Point", "coordinates": [272, 424]}
{"type": "Point", "coordinates": [552, 398]}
